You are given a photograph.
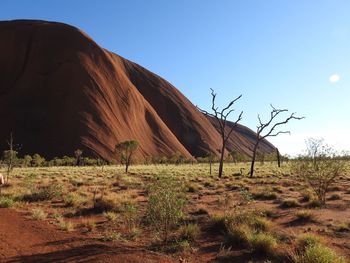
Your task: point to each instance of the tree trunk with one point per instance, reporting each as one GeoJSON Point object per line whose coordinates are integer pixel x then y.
{"type": "Point", "coordinates": [210, 166]}
{"type": "Point", "coordinates": [221, 166]}
{"type": "Point", "coordinates": [253, 159]}
{"type": "Point", "coordinates": [278, 158]}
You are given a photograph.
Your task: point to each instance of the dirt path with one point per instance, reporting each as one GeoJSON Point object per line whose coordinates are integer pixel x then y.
{"type": "Point", "coordinates": [25, 240]}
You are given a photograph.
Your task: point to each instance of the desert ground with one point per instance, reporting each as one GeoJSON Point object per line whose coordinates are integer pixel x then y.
{"type": "Point", "coordinates": [101, 214]}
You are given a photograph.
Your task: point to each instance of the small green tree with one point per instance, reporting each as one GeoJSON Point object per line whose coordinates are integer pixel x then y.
{"type": "Point", "coordinates": [126, 150]}
{"type": "Point", "coordinates": [9, 157]}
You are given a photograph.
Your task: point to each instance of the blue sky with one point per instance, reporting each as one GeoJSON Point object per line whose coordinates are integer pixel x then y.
{"type": "Point", "coordinates": [279, 52]}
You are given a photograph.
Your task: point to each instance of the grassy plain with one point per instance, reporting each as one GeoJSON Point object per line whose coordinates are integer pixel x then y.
{"type": "Point", "coordinates": [273, 216]}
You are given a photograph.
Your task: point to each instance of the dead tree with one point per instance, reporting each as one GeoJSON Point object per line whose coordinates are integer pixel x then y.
{"type": "Point", "coordinates": [271, 132]}
{"type": "Point", "coordinates": [221, 118]}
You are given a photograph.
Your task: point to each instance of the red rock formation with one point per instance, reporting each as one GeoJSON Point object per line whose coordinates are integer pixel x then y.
{"type": "Point", "coordinates": [60, 91]}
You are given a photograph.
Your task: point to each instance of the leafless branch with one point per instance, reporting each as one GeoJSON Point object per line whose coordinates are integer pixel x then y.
{"type": "Point", "coordinates": [221, 118]}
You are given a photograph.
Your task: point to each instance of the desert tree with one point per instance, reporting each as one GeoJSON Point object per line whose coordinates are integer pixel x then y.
{"type": "Point", "coordinates": [221, 118]}
{"type": "Point", "coordinates": [319, 167]}
{"type": "Point", "coordinates": [9, 157]}
{"type": "Point", "coordinates": [27, 160]}
{"type": "Point", "coordinates": [126, 150]}
{"type": "Point", "coordinates": [78, 154]}
{"type": "Point", "coordinates": [37, 160]}
{"type": "Point", "coordinates": [269, 129]}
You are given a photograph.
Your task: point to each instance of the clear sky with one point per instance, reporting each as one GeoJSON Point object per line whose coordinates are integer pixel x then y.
{"type": "Point", "coordinates": [294, 54]}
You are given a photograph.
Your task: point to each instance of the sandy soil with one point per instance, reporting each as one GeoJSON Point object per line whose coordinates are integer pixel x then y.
{"type": "Point", "coordinates": [26, 240]}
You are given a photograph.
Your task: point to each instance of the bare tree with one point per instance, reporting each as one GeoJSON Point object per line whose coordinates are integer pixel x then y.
{"type": "Point", "coordinates": [271, 126]}
{"type": "Point", "coordinates": [221, 118]}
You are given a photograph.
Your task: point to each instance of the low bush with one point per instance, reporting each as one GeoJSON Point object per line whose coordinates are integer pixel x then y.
{"type": "Point", "coordinates": [6, 202]}
{"type": "Point", "coordinates": [306, 240]}
{"type": "Point", "coordinates": [65, 225]}
{"type": "Point", "coordinates": [289, 203]}
{"type": "Point", "coordinates": [305, 216]}
{"type": "Point", "coordinates": [317, 254]}
{"type": "Point", "coordinates": [74, 200]}
{"type": "Point", "coordinates": [335, 196]}
{"type": "Point", "coordinates": [265, 195]}
{"type": "Point", "coordinates": [43, 193]}
{"type": "Point", "coordinates": [89, 225]}
{"type": "Point", "coordinates": [189, 232]}
{"type": "Point", "coordinates": [263, 243]}
{"type": "Point", "coordinates": [110, 216]}
{"type": "Point", "coordinates": [105, 205]}
{"type": "Point", "coordinates": [38, 214]}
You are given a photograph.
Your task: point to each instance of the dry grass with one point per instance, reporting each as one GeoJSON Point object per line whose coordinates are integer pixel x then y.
{"type": "Point", "coordinates": [111, 205]}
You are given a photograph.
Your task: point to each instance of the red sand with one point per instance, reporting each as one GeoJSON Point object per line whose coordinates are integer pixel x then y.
{"type": "Point", "coordinates": [26, 240]}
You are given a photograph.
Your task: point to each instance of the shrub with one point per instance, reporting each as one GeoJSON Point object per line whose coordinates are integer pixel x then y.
{"type": "Point", "coordinates": [110, 216]}
{"type": "Point", "coordinates": [89, 225]}
{"type": "Point", "coordinates": [111, 236]}
{"type": "Point", "coordinates": [335, 197]}
{"type": "Point", "coordinates": [43, 193]}
{"type": "Point", "coordinates": [307, 240]}
{"type": "Point", "coordinates": [305, 215]}
{"type": "Point", "coordinates": [181, 246]}
{"type": "Point", "coordinates": [314, 203]}
{"type": "Point", "coordinates": [6, 202]}
{"type": "Point", "coordinates": [189, 232]}
{"type": "Point", "coordinates": [65, 225]}
{"type": "Point", "coordinates": [191, 188]}
{"type": "Point", "coordinates": [261, 224]}
{"type": "Point", "coordinates": [265, 195]}
{"type": "Point", "coordinates": [105, 205]}
{"type": "Point", "coordinates": [240, 227]}
{"type": "Point", "coordinates": [165, 204]}
{"type": "Point", "coordinates": [73, 200]}
{"type": "Point", "coordinates": [289, 203]}
{"type": "Point", "coordinates": [38, 214]}
{"type": "Point", "coordinates": [130, 215]}
{"type": "Point", "coordinates": [319, 168]}
{"type": "Point", "coordinates": [318, 253]}
{"type": "Point", "coordinates": [238, 235]}
{"type": "Point", "coordinates": [263, 243]}
{"type": "Point", "coordinates": [342, 228]}
{"type": "Point", "coordinates": [306, 196]}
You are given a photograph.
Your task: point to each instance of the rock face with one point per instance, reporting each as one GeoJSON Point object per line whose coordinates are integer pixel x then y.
{"type": "Point", "coordinates": [60, 91]}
